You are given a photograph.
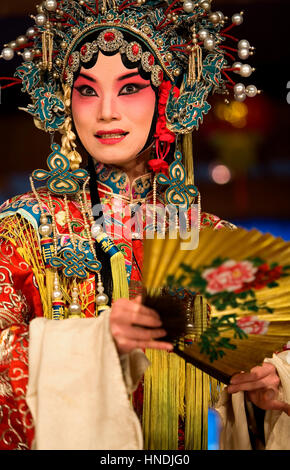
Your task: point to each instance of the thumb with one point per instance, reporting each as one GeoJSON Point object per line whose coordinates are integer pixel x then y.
{"type": "Point", "coordinates": [277, 405]}
{"type": "Point", "coordinates": [138, 299]}
{"type": "Point", "coordinates": [270, 394]}
{"type": "Point", "coordinates": [281, 406]}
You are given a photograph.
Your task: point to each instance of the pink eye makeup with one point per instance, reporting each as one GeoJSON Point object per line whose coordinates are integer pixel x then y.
{"type": "Point", "coordinates": [86, 90]}
{"type": "Point", "coordinates": [132, 88]}
{"type": "Point", "coordinates": [129, 88]}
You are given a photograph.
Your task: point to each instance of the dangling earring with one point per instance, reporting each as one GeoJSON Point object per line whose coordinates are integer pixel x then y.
{"type": "Point", "coordinates": [188, 157]}
{"type": "Point", "coordinates": [68, 144]}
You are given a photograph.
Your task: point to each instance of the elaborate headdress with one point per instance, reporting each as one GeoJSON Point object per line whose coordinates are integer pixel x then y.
{"type": "Point", "coordinates": [178, 44]}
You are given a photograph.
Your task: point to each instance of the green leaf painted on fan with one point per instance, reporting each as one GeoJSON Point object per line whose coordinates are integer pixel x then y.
{"type": "Point", "coordinates": [212, 344]}
{"type": "Point", "coordinates": [251, 293]}
{"type": "Point", "coordinates": [218, 262]}
{"type": "Point", "coordinates": [256, 261]}
{"type": "Point", "coordinates": [273, 284]}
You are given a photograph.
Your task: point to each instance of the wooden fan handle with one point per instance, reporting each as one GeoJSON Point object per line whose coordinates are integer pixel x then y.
{"type": "Point", "coordinates": [206, 367]}
{"type": "Point", "coordinates": [249, 353]}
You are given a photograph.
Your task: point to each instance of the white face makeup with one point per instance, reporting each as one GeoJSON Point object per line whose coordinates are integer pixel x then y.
{"type": "Point", "coordinates": [113, 109]}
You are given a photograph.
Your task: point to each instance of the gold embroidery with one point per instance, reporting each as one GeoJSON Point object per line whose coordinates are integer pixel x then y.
{"type": "Point", "coordinates": [5, 385]}
{"type": "Point", "coordinates": [16, 417]}
{"type": "Point", "coordinates": [225, 224]}
{"type": "Point", "coordinates": [5, 355]}
{"type": "Point", "coordinates": [13, 303]}
{"type": "Point", "coordinates": [9, 435]}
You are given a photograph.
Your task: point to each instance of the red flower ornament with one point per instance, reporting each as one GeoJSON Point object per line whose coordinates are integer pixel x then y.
{"type": "Point", "coordinates": [163, 136]}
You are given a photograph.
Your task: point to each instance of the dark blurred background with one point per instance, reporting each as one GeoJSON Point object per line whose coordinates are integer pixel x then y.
{"type": "Point", "coordinates": [242, 152]}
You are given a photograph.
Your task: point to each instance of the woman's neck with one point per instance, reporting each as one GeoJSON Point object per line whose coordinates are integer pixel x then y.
{"type": "Point", "coordinates": [137, 167]}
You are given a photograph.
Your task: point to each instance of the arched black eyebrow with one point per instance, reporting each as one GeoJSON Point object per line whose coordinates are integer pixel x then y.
{"type": "Point", "coordinates": [123, 77]}
{"type": "Point", "coordinates": [128, 75]}
{"type": "Point", "coordinates": [91, 79]}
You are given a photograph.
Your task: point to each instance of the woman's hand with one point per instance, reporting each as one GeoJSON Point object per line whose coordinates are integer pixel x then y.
{"type": "Point", "coordinates": [261, 387]}
{"type": "Point", "coordinates": [135, 326]}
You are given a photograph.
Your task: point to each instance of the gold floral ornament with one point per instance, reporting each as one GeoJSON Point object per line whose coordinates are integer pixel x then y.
{"type": "Point", "coordinates": [68, 140]}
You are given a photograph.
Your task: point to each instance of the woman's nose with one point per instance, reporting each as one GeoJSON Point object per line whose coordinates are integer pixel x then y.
{"type": "Point", "coordinates": [108, 108]}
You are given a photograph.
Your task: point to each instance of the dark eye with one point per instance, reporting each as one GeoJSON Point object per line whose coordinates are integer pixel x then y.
{"type": "Point", "coordinates": [86, 90]}
{"type": "Point", "coordinates": [132, 88]}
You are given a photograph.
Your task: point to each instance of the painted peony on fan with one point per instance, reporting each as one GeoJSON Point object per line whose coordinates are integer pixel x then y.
{"type": "Point", "coordinates": [243, 278]}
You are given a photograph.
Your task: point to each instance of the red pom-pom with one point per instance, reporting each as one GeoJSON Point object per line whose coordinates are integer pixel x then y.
{"type": "Point", "coordinates": [162, 133]}
{"type": "Point", "coordinates": [158, 166]}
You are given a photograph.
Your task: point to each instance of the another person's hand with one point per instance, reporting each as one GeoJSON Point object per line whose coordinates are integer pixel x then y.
{"type": "Point", "coordinates": [135, 326]}
{"type": "Point", "coordinates": [261, 386]}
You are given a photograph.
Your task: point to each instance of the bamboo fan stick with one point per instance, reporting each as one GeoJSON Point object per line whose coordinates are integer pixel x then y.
{"type": "Point", "coordinates": [249, 353]}
{"type": "Point", "coordinates": [204, 248]}
{"type": "Point", "coordinates": [169, 255]}
{"type": "Point", "coordinates": [212, 246]}
{"type": "Point", "coordinates": [232, 244]}
{"type": "Point", "coordinates": [276, 298]}
{"type": "Point", "coordinates": [193, 257]}
{"type": "Point", "coordinates": [235, 244]}
{"type": "Point", "coordinates": [264, 248]}
{"type": "Point", "coordinates": [284, 316]}
{"type": "Point", "coordinates": [152, 250]}
{"type": "Point", "coordinates": [279, 327]}
{"type": "Point", "coordinates": [280, 255]}
{"type": "Point", "coordinates": [179, 257]}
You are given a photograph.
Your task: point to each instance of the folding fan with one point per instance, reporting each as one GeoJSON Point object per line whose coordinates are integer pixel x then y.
{"type": "Point", "coordinates": [244, 278]}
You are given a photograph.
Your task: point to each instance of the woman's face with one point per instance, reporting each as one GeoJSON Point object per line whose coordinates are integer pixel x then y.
{"type": "Point", "coordinates": [112, 109]}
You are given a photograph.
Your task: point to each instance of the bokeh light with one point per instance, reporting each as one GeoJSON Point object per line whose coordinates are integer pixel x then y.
{"type": "Point", "coordinates": [220, 174]}
{"type": "Point", "coordinates": [235, 113]}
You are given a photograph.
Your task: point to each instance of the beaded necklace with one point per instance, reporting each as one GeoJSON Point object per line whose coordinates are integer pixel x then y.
{"type": "Point", "coordinates": [70, 261]}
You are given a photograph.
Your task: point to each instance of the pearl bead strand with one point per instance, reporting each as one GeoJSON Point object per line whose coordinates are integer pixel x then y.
{"type": "Point", "coordinates": [92, 232]}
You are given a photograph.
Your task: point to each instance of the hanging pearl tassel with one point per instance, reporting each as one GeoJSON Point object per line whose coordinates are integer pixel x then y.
{"type": "Point", "coordinates": [75, 308]}
{"type": "Point", "coordinates": [93, 232]}
{"type": "Point", "coordinates": [47, 49]}
{"type": "Point", "coordinates": [195, 61]}
{"type": "Point", "coordinates": [46, 241]}
{"type": "Point", "coordinates": [188, 158]}
{"type": "Point", "coordinates": [45, 228]}
{"type": "Point", "coordinates": [57, 301]}
{"type": "Point", "coordinates": [154, 203]}
{"type": "Point", "coordinates": [102, 299]}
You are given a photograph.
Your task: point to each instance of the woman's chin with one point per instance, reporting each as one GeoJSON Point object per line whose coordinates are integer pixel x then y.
{"type": "Point", "coordinates": [115, 154]}
{"type": "Point", "coordinates": [115, 160]}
